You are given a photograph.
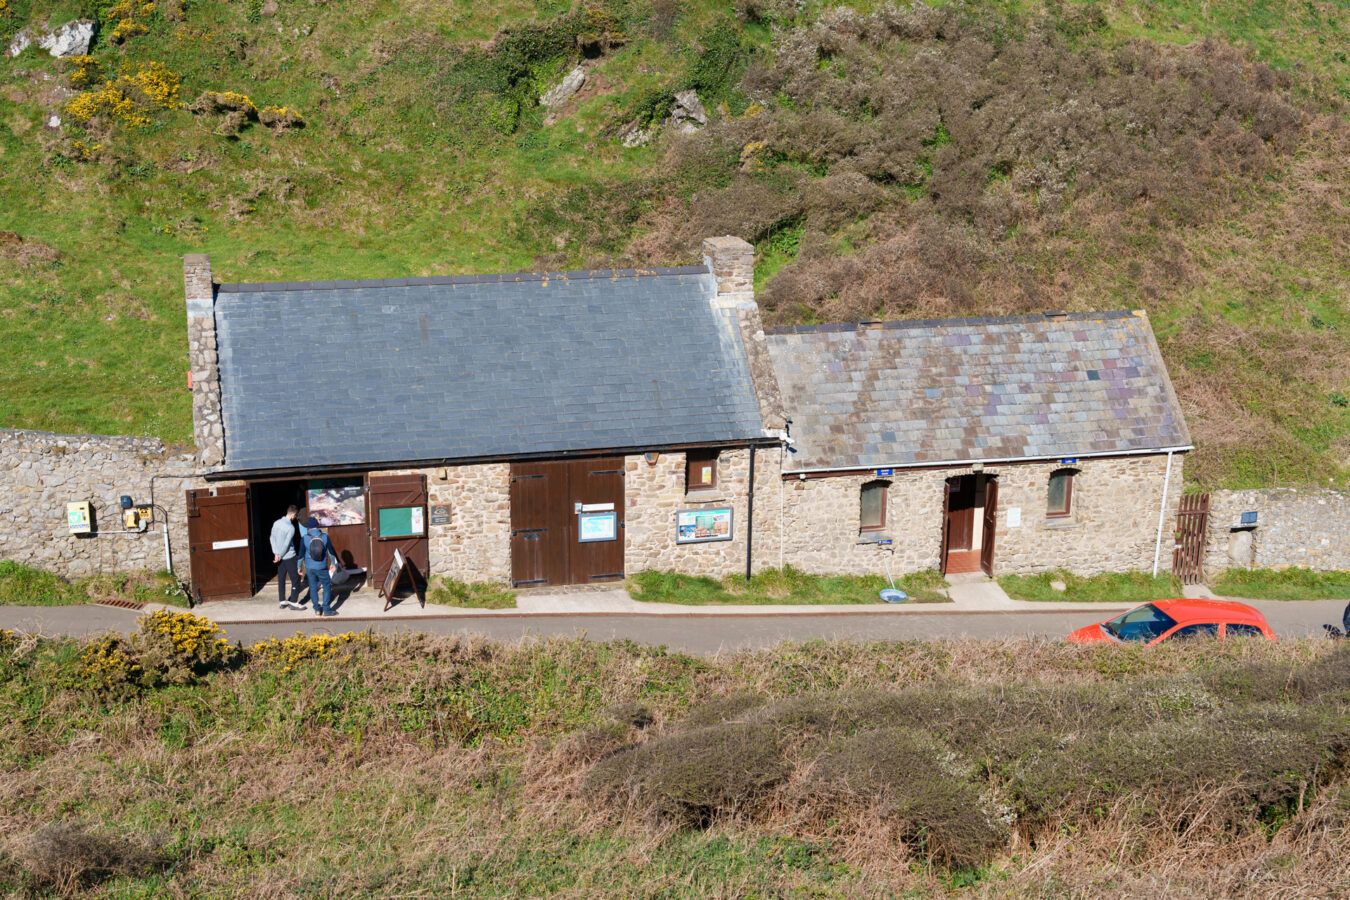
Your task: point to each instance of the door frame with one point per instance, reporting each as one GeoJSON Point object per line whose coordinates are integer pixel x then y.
{"type": "Point", "coordinates": [989, 520]}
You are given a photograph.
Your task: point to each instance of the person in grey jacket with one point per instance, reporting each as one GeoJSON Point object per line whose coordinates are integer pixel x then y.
{"type": "Point", "coordinates": [287, 559]}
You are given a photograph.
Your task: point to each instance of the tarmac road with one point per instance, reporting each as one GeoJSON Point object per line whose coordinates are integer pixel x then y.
{"type": "Point", "coordinates": [699, 633]}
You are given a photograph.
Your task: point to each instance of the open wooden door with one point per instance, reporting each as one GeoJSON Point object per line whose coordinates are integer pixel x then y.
{"type": "Point", "coordinates": [946, 524]}
{"type": "Point", "coordinates": [990, 523]}
{"type": "Point", "coordinates": [219, 543]}
{"type": "Point", "coordinates": [398, 521]}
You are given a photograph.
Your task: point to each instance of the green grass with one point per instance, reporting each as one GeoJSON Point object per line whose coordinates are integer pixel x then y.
{"type": "Point", "coordinates": [396, 174]}
{"type": "Point", "coordinates": [419, 765]}
{"type": "Point", "coordinates": [22, 585]}
{"type": "Point", "coordinates": [774, 586]}
{"type": "Point", "coordinates": [1125, 588]}
{"type": "Point", "coordinates": [479, 595]}
{"type": "Point", "coordinates": [1284, 584]}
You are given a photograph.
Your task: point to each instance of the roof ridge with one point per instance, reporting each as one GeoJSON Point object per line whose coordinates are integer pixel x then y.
{"type": "Point", "coordinates": [899, 324]}
{"type": "Point", "coordinates": [498, 278]}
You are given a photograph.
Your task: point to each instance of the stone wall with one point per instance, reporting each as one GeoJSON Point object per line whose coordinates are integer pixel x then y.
{"type": "Point", "coordinates": [41, 472]}
{"type": "Point", "coordinates": [475, 545]}
{"type": "Point", "coordinates": [655, 493]}
{"type": "Point", "coordinates": [1113, 526]}
{"type": "Point", "coordinates": [1309, 528]}
{"type": "Point", "coordinates": [208, 429]}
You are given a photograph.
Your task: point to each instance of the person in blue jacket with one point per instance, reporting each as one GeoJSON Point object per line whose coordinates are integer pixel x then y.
{"type": "Point", "coordinates": [317, 549]}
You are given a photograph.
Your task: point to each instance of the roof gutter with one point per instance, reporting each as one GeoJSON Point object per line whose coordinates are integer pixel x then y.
{"type": "Point", "coordinates": [375, 466]}
{"type": "Point", "coordinates": [959, 463]}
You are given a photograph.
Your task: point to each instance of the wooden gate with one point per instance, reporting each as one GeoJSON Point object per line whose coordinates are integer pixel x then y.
{"type": "Point", "coordinates": [548, 503]}
{"type": "Point", "coordinates": [1188, 558]}
{"type": "Point", "coordinates": [218, 543]}
{"type": "Point", "coordinates": [397, 520]}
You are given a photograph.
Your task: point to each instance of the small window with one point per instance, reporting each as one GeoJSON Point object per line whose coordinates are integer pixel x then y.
{"type": "Point", "coordinates": [700, 473]}
{"type": "Point", "coordinates": [1205, 630]}
{"type": "Point", "coordinates": [1059, 498]}
{"type": "Point", "coordinates": [872, 506]}
{"type": "Point", "coordinates": [1242, 631]}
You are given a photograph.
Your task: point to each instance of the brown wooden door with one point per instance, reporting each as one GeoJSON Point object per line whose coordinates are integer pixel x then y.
{"type": "Point", "coordinates": [946, 523]}
{"type": "Point", "coordinates": [541, 515]}
{"type": "Point", "coordinates": [397, 491]}
{"type": "Point", "coordinates": [219, 539]}
{"type": "Point", "coordinates": [548, 501]}
{"type": "Point", "coordinates": [595, 484]}
{"type": "Point", "coordinates": [961, 514]}
{"type": "Point", "coordinates": [990, 523]}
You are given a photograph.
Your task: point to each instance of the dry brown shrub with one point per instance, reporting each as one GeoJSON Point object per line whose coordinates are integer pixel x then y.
{"type": "Point", "coordinates": [67, 858]}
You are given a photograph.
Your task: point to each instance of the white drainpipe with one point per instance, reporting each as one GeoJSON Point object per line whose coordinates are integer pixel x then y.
{"type": "Point", "coordinates": [1162, 514]}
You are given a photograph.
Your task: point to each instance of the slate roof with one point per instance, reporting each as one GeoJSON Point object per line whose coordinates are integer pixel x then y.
{"type": "Point", "coordinates": [953, 390]}
{"type": "Point", "coordinates": [317, 374]}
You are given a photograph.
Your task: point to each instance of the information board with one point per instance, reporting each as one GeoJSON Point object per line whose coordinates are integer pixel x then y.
{"type": "Point", "coordinates": [694, 526]}
{"type": "Point", "coordinates": [401, 521]}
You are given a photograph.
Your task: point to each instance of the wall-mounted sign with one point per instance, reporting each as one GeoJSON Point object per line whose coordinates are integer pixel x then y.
{"type": "Point", "coordinates": [885, 473]}
{"type": "Point", "coordinates": [337, 501]}
{"type": "Point", "coordinates": [598, 526]}
{"type": "Point", "coordinates": [78, 517]}
{"type": "Point", "coordinates": [1014, 517]}
{"type": "Point", "coordinates": [401, 521]}
{"type": "Point", "coordinates": [440, 515]}
{"type": "Point", "coordinates": [1067, 462]}
{"type": "Point", "coordinates": [694, 526]}
{"type": "Point", "coordinates": [1249, 518]}
{"type": "Point", "coordinates": [596, 507]}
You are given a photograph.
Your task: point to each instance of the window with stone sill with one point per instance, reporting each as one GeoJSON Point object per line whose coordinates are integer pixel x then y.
{"type": "Point", "coordinates": [1059, 495]}
{"type": "Point", "coordinates": [872, 506]}
{"type": "Point", "coordinates": [700, 471]}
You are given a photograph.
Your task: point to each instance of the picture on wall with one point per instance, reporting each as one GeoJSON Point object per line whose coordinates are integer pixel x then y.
{"type": "Point", "coordinates": [337, 501]}
{"type": "Point", "coordinates": [694, 526]}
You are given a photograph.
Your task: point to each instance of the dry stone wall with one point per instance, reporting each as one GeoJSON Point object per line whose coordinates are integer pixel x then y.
{"type": "Point", "coordinates": [1309, 528]}
{"type": "Point", "coordinates": [40, 472]}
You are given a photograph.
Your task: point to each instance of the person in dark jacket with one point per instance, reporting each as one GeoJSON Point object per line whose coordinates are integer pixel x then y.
{"type": "Point", "coordinates": [317, 550]}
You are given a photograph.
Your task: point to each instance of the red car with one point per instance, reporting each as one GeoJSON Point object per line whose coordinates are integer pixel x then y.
{"type": "Point", "coordinates": [1164, 619]}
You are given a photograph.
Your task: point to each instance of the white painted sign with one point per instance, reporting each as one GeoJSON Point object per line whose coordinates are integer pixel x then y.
{"type": "Point", "coordinates": [417, 520]}
{"type": "Point", "coordinates": [596, 507]}
{"type": "Point", "coordinates": [229, 545]}
{"type": "Point", "coordinates": [1015, 517]}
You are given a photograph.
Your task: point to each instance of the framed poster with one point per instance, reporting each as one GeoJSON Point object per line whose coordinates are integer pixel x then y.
{"type": "Point", "coordinates": [598, 526]}
{"type": "Point", "coordinates": [695, 526]}
{"type": "Point", "coordinates": [337, 501]}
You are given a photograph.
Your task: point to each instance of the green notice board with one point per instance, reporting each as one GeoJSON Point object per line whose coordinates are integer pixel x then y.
{"type": "Point", "coordinates": [401, 521]}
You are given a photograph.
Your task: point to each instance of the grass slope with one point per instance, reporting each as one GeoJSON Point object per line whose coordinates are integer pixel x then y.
{"type": "Point", "coordinates": [424, 152]}
{"type": "Point", "coordinates": [353, 765]}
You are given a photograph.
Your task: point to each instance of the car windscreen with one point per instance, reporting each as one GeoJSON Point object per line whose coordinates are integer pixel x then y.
{"type": "Point", "coordinates": [1142, 624]}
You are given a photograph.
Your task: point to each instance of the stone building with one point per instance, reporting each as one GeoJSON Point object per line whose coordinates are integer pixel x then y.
{"type": "Point", "coordinates": [536, 429]}
{"type": "Point", "coordinates": [579, 427]}
{"type": "Point", "coordinates": [1007, 445]}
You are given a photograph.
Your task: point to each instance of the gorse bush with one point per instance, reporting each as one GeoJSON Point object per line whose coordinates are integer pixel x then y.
{"type": "Point", "coordinates": [168, 648]}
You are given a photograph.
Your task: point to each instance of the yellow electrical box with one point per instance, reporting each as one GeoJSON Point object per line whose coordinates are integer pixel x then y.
{"type": "Point", "coordinates": [79, 518]}
{"type": "Point", "coordinates": [138, 518]}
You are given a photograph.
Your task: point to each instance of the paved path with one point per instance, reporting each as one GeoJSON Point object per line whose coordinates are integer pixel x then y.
{"type": "Point", "coordinates": [693, 632]}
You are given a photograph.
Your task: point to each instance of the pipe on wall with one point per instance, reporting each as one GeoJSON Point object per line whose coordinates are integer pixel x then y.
{"type": "Point", "coordinates": [1162, 514]}
{"type": "Point", "coordinates": [750, 519]}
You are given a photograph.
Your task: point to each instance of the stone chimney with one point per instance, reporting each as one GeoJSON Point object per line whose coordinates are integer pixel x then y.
{"type": "Point", "coordinates": [732, 262]}
{"type": "Point", "coordinates": [208, 430]}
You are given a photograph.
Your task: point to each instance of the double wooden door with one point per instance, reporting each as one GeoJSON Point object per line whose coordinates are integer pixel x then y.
{"type": "Point", "coordinates": [220, 535]}
{"type": "Point", "coordinates": [567, 521]}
